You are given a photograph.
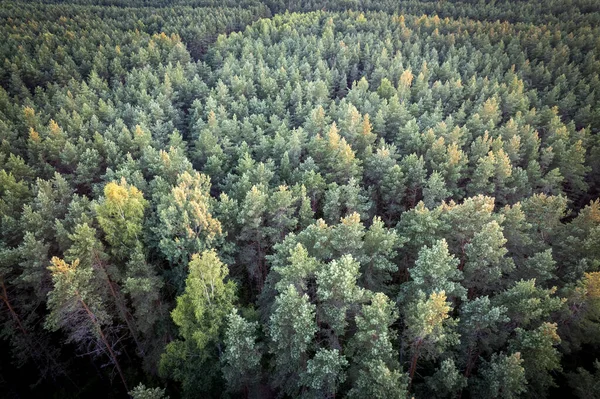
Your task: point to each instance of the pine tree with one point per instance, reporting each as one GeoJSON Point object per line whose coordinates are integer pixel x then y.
{"type": "Point", "coordinates": [579, 318]}
{"type": "Point", "coordinates": [480, 328]}
{"type": "Point", "coordinates": [585, 384]}
{"type": "Point", "coordinates": [421, 227]}
{"type": "Point", "coordinates": [141, 392]}
{"type": "Point", "coordinates": [375, 368]}
{"type": "Point", "coordinates": [77, 305]}
{"type": "Point", "coordinates": [241, 358]}
{"type": "Point", "coordinates": [435, 270]}
{"type": "Point", "coordinates": [380, 248]}
{"type": "Point", "coordinates": [485, 260]}
{"type": "Point", "coordinates": [429, 327]}
{"type": "Point", "coordinates": [324, 373]}
{"type": "Point", "coordinates": [298, 268]}
{"type": "Point", "coordinates": [186, 225]}
{"type": "Point", "coordinates": [253, 220]}
{"type": "Point", "coordinates": [540, 357]}
{"type": "Point", "coordinates": [91, 253]}
{"type": "Point", "coordinates": [337, 292]}
{"type": "Point", "coordinates": [446, 381]}
{"type": "Point", "coordinates": [142, 285]}
{"type": "Point", "coordinates": [435, 192]}
{"type": "Point", "coordinates": [292, 327]}
{"type": "Point", "coordinates": [503, 377]}
{"type": "Point", "coordinates": [526, 303]}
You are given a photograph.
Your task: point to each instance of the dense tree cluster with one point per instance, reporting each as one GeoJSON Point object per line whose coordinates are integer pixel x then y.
{"type": "Point", "coordinates": [354, 198]}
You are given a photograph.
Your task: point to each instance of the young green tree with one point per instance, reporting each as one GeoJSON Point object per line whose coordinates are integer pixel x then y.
{"type": "Point", "coordinates": [435, 191]}
{"type": "Point", "coordinates": [503, 377]}
{"type": "Point", "coordinates": [485, 260]}
{"type": "Point", "coordinates": [540, 356]}
{"type": "Point", "coordinates": [579, 318]}
{"type": "Point", "coordinates": [13, 195]}
{"type": "Point", "coordinates": [141, 392]}
{"type": "Point", "coordinates": [120, 215]}
{"type": "Point", "coordinates": [380, 247]}
{"type": "Point", "coordinates": [292, 327]}
{"type": "Point", "coordinates": [421, 227]}
{"type": "Point", "coordinates": [480, 330]}
{"type": "Point", "coordinates": [186, 223]}
{"type": "Point", "coordinates": [241, 358]}
{"type": "Point", "coordinates": [142, 285]}
{"type": "Point", "coordinates": [200, 315]}
{"type": "Point", "coordinates": [297, 270]}
{"type": "Point", "coordinates": [435, 270]}
{"type": "Point", "coordinates": [253, 235]}
{"type": "Point", "coordinates": [447, 380]}
{"type": "Point", "coordinates": [526, 303]}
{"type": "Point", "coordinates": [280, 214]}
{"type": "Point", "coordinates": [387, 183]}
{"type": "Point", "coordinates": [91, 253]}
{"type": "Point", "coordinates": [585, 384]}
{"type": "Point", "coordinates": [324, 373]}
{"type": "Point", "coordinates": [429, 327]}
{"type": "Point", "coordinates": [337, 292]}
{"type": "Point", "coordinates": [342, 201]}
{"type": "Point", "coordinates": [374, 366]}
{"type": "Point", "coordinates": [336, 157]}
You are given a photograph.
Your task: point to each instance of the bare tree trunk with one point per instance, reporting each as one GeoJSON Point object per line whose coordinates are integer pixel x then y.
{"type": "Point", "coordinates": [111, 353]}
{"type": "Point", "coordinates": [413, 363]}
{"type": "Point", "coordinates": [12, 312]}
{"type": "Point", "coordinates": [119, 302]}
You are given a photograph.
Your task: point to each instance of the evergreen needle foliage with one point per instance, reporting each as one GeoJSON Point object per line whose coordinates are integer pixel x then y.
{"type": "Point", "coordinates": [316, 199]}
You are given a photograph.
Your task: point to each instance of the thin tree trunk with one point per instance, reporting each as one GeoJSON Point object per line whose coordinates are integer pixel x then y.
{"type": "Point", "coordinates": [261, 268]}
{"type": "Point", "coordinates": [112, 354]}
{"type": "Point", "coordinates": [469, 367]}
{"type": "Point", "coordinates": [122, 308]}
{"type": "Point", "coordinates": [413, 363]}
{"type": "Point", "coordinates": [11, 310]}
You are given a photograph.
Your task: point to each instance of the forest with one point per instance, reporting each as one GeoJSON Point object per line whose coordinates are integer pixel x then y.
{"type": "Point", "coordinates": [314, 199]}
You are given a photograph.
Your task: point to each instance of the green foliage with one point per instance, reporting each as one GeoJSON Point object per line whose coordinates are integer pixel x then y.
{"type": "Point", "coordinates": [503, 377]}
{"type": "Point", "coordinates": [186, 225]}
{"type": "Point", "coordinates": [200, 316]}
{"type": "Point", "coordinates": [141, 392]}
{"type": "Point", "coordinates": [291, 328]}
{"type": "Point", "coordinates": [444, 154]}
{"type": "Point", "coordinates": [480, 329]}
{"type": "Point", "coordinates": [429, 327]}
{"type": "Point", "coordinates": [242, 355]}
{"type": "Point", "coordinates": [540, 357]}
{"type": "Point", "coordinates": [585, 384]}
{"type": "Point", "coordinates": [77, 305]}
{"type": "Point", "coordinates": [436, 270]}
{"type": "Point", "coordinates": [337, 290]}
{"type": "Point", "coordinates": [375, 370]}
{"type": "Point", "coordinates": [324, 372]}
{"type": "Point", "coordinates": [526, 303]}
{"type": "Point", "coordinates": [120, 214]}
{"type": "Point", "coordinates": [447, 380]}
{"type": "Point", "coordinates": [377, 381]}
{"type": "Point", "coordinates": [485, 262]}
{"type": "Point", "coordinates": [580, 317]}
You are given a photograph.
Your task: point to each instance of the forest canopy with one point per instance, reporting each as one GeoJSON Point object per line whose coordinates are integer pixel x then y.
{"type": "Point", "coordinates": [317, 199]}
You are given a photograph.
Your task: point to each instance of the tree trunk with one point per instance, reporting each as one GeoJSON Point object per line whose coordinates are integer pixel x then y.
{"type": "Point", "coordinates": [12, 312]}
{"type": "Point", "coordinates": [119, 302]}
{"type": "Point", "coordinates": [413, 363]}
{"type": "Point", "coordinates": [111, 353]}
